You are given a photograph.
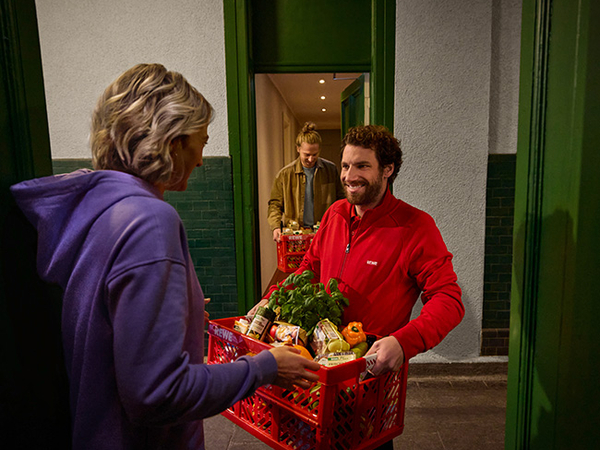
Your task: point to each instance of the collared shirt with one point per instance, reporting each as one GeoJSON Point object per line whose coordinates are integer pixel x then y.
{"type": "Point", "coordinates": [354, 221]}
{"type": "Point", "coordinates": [288, 191]}
{"type": "Point", "coordinates": [309, 197]}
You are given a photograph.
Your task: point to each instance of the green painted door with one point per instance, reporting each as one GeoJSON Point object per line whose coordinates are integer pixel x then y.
{"type": "Point", "coordinates": [353, 105]}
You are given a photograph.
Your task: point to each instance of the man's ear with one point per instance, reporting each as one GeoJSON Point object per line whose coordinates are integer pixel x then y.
{"type": "Point", "coordinates": [388, 169]}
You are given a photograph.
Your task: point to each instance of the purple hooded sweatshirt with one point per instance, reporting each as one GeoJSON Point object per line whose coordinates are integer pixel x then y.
{"type": "Point", "coordinates": [133, 313]}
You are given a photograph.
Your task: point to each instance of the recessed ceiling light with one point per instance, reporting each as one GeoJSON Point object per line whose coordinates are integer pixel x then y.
{"type": "Point", "coordinates": [322, 81]}
{"type": "Point", "coordinates": [322, 97]}
{"type": "Point", "coordinates": [324, 109]}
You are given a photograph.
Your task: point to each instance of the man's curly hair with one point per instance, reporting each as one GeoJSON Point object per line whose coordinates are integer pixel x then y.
{"type": "Point", "coordinates": [379, 139]}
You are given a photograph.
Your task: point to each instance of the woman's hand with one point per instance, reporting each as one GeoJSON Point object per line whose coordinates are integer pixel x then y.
{"type": "Point", "coordinates": [293, 369]}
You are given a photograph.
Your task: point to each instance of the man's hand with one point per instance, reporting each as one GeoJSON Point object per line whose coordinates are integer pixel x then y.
{"type": "Point", "coordinates": [206, 314]}
{"type": "Point", "coordinates": [293, 369]}
{"type": "Point", "coordinates": [276, 234]}
{"type": "Point", "coordinates": [390, 355]}
{"type": "Point", "coordinates": [252, 312]}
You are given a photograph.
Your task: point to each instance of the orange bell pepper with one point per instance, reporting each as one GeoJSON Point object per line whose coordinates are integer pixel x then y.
{"type": "Point", "coordinates": [354, 334]}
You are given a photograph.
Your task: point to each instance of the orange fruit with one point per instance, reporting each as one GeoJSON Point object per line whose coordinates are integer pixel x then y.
{"type": "Point", "coordinates": [304, 352]}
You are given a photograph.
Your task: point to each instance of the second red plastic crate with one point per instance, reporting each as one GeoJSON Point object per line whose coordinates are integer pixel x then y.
{"type": "Point", "coordinates": [291, 250]}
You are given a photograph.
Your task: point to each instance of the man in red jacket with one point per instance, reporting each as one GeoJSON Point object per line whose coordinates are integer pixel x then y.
{"type": "Point", "coordinates": [385, 254]}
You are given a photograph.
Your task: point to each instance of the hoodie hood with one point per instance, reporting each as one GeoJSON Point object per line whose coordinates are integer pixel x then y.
{"type": "Point", "coordinates": [63, 208]}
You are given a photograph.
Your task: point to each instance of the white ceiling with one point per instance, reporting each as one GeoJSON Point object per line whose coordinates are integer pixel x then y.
{"type": "Point", "coordinates": [302, 92]}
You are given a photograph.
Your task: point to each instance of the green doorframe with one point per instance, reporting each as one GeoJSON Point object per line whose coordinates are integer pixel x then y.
{"type": "Point", "coordinates": [553, 390]}
{"type": "Point", "coordinates": [242, 127]}
{"type": "Point", "coordinates": [242, 146]}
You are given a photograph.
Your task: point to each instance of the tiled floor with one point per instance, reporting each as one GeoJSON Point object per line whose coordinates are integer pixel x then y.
{"type": "Point", "coordinates": [448, 407]}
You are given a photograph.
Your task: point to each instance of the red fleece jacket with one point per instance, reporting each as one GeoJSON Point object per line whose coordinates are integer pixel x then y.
{"type": "Point", "coordinates": [395, 254]}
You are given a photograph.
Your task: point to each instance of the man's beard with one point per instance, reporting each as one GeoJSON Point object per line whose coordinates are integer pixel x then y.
{"type": "Point", "coordinates": [368, 196]}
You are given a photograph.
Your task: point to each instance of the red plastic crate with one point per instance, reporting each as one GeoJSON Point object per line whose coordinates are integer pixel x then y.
{"type": "Point", "coordinates": [291, 250]}
{"type": "Point", "coordinates": [339, 412]}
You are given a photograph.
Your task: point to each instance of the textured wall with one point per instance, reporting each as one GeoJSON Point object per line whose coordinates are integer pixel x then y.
{"type": "Point", "coordinates": [504, 75]}
{"type": "Point", "coordinates": [86, 45]}
{"type": "Point", "coordinates": [441, 116]}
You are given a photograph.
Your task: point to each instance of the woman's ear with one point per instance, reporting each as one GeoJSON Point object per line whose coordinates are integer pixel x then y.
{"type": "Point", "coordinates": [175, 147]}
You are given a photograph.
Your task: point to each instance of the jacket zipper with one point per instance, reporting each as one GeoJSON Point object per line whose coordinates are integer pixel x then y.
{"type": "Point", "coordinates": [348, 245]}
{"type": "Point", "coordinates": [344, 261]}
{"type": "Point", "coordinates": [347, 250]}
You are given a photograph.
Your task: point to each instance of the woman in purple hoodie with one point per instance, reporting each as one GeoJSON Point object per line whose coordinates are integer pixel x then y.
{"type": "Point", "coordinates": [133, 310]}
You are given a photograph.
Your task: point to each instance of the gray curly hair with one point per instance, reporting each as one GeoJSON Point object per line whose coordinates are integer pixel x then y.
{"type": "Point", "coordinates": [139, 116]}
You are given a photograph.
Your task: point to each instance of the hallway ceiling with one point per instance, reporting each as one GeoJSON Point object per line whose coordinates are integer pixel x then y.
{"type": "Point", "coordinates": [302, 92]}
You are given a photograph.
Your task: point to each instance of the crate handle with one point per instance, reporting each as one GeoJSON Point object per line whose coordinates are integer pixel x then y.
{"type": "Point", "coordinates": [227, 335]}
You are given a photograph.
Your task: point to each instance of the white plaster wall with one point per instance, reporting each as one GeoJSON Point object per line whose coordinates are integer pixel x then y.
{"type": "Point", "coordinates": [441, 116]}
{"type": "Point", "coordinates": [85, 45]}
{"type": "Point", "coordinates": [504, 75]}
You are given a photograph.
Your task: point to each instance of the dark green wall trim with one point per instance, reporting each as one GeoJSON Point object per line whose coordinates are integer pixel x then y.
{"type": "Point", "coordinates": [288, 35]}
{"type": "Point", "coordinates": [383, 62]}
{"type": "Point", "coordinates": [535, 36]}
{"type": "Point", "coordinates": [242, 148]}
{"type": "Point", "coordinates": [240, 68]}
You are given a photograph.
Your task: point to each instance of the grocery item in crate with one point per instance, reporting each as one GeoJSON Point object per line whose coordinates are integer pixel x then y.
{"type": "Point", "coordinates": [261, 323]}
{"type": "Point", "coordinates": [335, 358]}
{"type": "Point", "coordinates": [288, 333]}
{"type": "Point", "coordinates": [326, 339]}
{"type": "Point", "coordinates": [241, 325]}
{"type": "Point", "coordinates": [354, 334]}
{"type": "Point", "coordinates": [360, 349]}
{"type": "Point", "coordinates": [305, 304]}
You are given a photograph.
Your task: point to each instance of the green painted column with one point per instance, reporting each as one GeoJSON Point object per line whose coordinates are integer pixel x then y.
{"type": "Point", "coordinates": [553, 389]}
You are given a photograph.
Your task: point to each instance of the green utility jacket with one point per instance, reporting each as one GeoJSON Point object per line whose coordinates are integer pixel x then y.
{"type": "Point", "coordinates": [287, 193]}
